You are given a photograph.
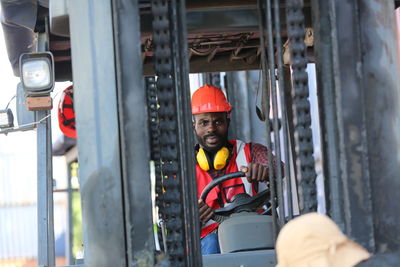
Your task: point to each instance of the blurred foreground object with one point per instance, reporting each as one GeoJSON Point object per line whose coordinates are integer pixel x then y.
{"type": "Point", "coordinates": [314, 240]}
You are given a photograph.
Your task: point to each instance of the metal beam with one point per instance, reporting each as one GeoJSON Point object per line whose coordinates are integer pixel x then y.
{"type": "Point", "coordinates": [345, 145]}
{"type": "Point", "coordinates": [326, 53]}
{"type": "Point", "coordinates": [135, 142]}
{"type": "Point", "coordinates": [45, 192]}
{"type": "Point", "coordinates": [218, 64]}
{"type": "Point", "coordinates": [177, 199]}
{"type": "Point", "coordinates": [359, 104]}
{"type": "Point", "coordinates": [95, 102]}
{"type": "Point", "coordinates": [380, 74]}
{"type": "Point", "coordinates": [45, 207]}
{"type": "Point", "coordinates": [185, 133]}
{"type": "Point", "coordinates": [220, 20]}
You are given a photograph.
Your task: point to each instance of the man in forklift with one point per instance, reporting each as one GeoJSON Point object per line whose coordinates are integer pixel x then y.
{"type": "Point", "coordinates": [217, 156]}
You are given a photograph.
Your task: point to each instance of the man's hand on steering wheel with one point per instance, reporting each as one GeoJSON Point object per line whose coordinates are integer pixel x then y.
{"type": "Point", "coordinates": [255, 172]}
{"type": "Point", "coordinates": [205, 211]}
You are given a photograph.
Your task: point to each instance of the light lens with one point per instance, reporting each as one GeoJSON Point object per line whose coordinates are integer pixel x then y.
{"type": "Point", "coordinates": [36, 73]}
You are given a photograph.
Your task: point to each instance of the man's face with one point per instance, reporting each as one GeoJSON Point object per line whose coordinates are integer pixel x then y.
{"type": "Point", "coordinates": [211, 130]}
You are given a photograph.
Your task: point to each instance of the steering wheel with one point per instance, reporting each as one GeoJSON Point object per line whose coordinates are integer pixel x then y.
{"type": "Point", "coordinates": [240, 202]}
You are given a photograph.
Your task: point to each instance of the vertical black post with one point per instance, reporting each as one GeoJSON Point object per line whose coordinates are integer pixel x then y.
{"type": "Point", "coordinates": [133, 118]}
{"type": "Point", "coordinates": [266, 86]}
{"type": "Point", "coordinates": [301, 107]}
{"type": "Point", "coordinates": [350, 193]}
{"type": "Point", "coordinates": [179, 197]}
{"type": "Point", "coordinates": [185, 133]}
{"type": "Point", "coordinates": [281, 88]}
{"type": "Point", "coordinates": [326, 54]}
{"type": "Point", "coordinates": [275, 116]}
{"type": "Point", "coordinates": [380, 73]}
{"type": "Point", "coordinates": [96, 108]}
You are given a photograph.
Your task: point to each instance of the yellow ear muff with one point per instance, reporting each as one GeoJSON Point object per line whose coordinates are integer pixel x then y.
{"type": "Point", "coordinates": [221, 158]}
{"type": "Point", "coordinates": [202, 160]}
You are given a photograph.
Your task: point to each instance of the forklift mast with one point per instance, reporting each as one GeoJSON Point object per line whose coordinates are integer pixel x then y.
{"type": "Point", "coordinates": [130, 62]}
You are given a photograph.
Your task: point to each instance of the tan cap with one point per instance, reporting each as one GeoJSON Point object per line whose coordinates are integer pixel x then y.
{"type": "Point", "coordinates": [314, 240]}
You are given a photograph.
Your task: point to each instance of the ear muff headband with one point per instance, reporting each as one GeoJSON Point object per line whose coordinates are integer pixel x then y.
{"type": "Point", "coordinates": [219, 162]}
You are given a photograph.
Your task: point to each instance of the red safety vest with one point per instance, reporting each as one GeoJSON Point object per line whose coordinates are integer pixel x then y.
{"type": "Point", "coordinates": [224, 193]}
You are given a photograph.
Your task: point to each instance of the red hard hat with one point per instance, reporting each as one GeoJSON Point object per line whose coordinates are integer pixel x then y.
{"type": "Point", "coordinates": [66, 113]}
{"type": "Point", "coordinates": [209, 98]}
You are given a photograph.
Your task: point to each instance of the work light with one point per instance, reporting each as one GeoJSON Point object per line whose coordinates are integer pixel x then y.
{"type": "Point", "coordinates": [6, 118]}
{"type": "Point", "coordinates": [37, 73]}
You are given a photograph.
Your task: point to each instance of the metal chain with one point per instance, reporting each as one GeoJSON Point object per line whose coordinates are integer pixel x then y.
{"type": "Point", "coordinates": [301, 107]}
{"type": "Point", "coordinates": [152, 103]}
{"type": "Point", "coordinates": [172, 210]}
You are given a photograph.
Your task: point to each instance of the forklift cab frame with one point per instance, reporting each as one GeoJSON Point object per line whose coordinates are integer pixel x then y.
{"type": "Point", "coordinates": [110, 54]}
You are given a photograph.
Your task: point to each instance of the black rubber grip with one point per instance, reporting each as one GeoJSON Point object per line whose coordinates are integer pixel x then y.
{"type": "Point", "coordinates": [219, 180]}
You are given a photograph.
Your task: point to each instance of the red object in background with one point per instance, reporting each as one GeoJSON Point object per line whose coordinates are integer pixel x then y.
{"type": "Point", "coordinates": [66, 113]}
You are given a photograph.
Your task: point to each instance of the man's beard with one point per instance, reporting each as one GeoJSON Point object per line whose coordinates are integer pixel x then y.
{"type": "Point", "coordinates": [202, 141]}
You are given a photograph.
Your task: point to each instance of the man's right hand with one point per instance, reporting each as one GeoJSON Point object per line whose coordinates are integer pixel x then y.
{"type": "Point", "coordinates": [205, 211]}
